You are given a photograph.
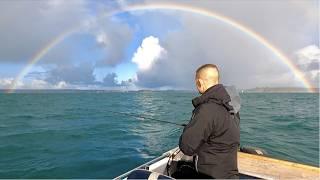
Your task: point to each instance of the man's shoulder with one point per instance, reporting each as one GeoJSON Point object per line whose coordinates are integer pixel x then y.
{"type": "Point", "coordinates": [210, 104]}
{"type": "Point", "coordinates": [208, 107]}
{"type": "Point", "coordinates": [211, 109]}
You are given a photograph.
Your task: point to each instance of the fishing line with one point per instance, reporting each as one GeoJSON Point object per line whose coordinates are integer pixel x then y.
{"type": "Point", "coordinates": [146, 118]}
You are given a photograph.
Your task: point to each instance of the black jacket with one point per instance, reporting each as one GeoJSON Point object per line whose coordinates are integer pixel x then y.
{"type": "Point", "coordinates": [213, 134]}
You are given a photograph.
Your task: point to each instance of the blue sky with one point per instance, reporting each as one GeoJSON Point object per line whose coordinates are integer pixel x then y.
{"type": "Point", "coordinates": [156, 49]}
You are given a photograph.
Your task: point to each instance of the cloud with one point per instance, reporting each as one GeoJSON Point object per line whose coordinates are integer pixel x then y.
{"type": "Point", "coordinates": [308, 59]}
{"type": "Point", "coordinates": [74, 74]}
{"type": "Point", "coordinates": [77, 76]}
{"type": "Point", "coordinates": [5, 83]}
{"type": "Point", "coordinates": [110, 80]}
{"type": "Point", "coordinates": [308, 54]}
{"type": "Point", "coordinates": [201, 42]}
{"type": "Point", "coordinates": [61, 85]}
{"type": "Point", "coordinates": [65, 81]}
{"type": "Point", "coordinates": [113, 37]}
{"type": "Point", "coordinates": [38, 84]}
{"type": "Point", "coordinates": [102, 39]}
{"type": "Point", "coordinates": [27, 26]}
{"type": "Point", "coordinates": [148, 53]}
{"type": "Point", "coordinates": [243, 62]}
{"type": "Point", "coordinates": [267, 18]}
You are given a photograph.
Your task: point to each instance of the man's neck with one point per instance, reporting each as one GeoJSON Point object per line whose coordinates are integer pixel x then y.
{"type": "Point", "coordinates": [210, 85]}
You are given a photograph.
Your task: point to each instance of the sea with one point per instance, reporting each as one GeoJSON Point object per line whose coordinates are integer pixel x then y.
{"type": "Point", "coordinates": [102, 134]}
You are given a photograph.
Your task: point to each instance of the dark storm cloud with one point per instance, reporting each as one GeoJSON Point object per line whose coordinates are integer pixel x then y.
{"type": "Point", "coordinates": [81, 74]}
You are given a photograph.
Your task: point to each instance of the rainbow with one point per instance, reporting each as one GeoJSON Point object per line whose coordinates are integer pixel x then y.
{"type": "Point", "coordinates": [176, 7]}
{"type": "Point", "coordinates": [37, 57]}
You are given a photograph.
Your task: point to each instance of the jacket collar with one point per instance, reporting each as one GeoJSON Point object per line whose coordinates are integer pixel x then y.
{"type": "Point", "coordinates": [217, 94]}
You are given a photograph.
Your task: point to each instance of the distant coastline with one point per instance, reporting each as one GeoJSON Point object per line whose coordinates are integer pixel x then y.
{"type": "Point", "coordinates": [252, 90]}
{"type": "Point", "coordinates": [278, 90]}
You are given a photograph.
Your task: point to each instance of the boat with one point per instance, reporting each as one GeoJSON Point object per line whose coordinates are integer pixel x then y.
{"type": "Point", "coordinates": [252, 164]}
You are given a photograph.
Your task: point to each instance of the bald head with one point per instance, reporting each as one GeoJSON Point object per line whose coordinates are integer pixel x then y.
{"type": "Point", "coordinates": [207, 76]}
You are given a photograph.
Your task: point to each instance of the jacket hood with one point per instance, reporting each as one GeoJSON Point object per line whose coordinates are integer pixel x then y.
{"type": "Point", "coordinates": [235, 98]}
{"type": "Point", "coordinates": [219, 95]}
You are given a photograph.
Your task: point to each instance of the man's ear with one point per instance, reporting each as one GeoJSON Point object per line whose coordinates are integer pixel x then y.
{"type": "Point", "coordinates": [198, 81]}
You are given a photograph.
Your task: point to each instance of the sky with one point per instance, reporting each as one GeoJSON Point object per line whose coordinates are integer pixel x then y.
{"type": "Point", "coordinates": [155, 49]}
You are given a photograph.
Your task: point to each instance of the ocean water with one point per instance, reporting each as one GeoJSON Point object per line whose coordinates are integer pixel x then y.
{"type": "Point", "coordinates": [74, 134]}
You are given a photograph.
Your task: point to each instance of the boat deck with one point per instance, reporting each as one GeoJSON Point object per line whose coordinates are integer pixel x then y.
{"type": "Point", "coordinates": [250, 167]}
{"type": "Point", "coordinates": [269, 168]}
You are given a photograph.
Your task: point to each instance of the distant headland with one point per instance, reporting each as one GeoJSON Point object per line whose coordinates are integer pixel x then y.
{"type": "Point", "coordinates": [278, 90]}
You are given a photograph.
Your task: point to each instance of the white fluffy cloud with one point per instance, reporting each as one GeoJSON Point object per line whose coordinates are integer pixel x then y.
{"type": "Point", "coordinates": [6, 83]}
{"type": "Point", "coordinates": [61, 85]}
{"type": "Point", "coordinates": [148, 53]}
{"type": "Point", "coordinates": [308, 59]}
{"type": "Point", "coordinates": [39, 84]}
{"type": "Point", "coordinates": [308, 54]}
{"type": "Point", "coordinates": [102, 39]}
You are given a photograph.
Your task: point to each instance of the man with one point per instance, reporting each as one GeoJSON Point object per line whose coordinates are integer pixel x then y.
{"type": "Point", "coordinates": [213, 134]}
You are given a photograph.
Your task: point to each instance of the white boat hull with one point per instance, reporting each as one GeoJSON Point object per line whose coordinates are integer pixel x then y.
{"type": "Point", "coordinates": [250, 167]}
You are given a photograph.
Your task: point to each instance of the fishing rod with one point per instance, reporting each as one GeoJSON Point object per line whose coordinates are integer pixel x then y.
{"type": "Point", "coordinates": [146, 118]}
